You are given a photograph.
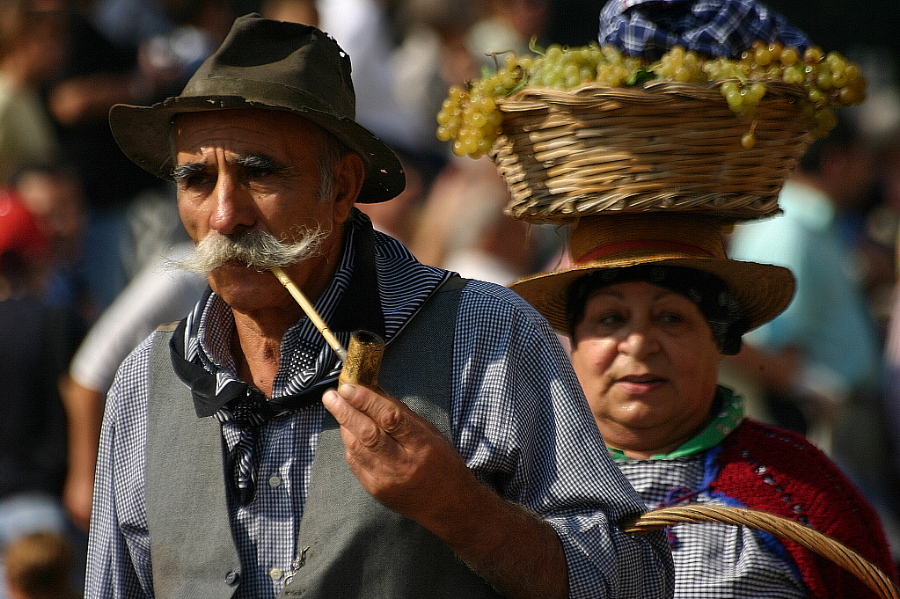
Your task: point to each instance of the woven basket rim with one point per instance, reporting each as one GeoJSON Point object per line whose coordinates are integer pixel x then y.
{"type": "Point", "coordinates": [647, 92]}
{"type": "Point", "coordinates": [704, 168]}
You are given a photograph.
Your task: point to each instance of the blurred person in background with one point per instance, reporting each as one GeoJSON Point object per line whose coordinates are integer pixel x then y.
{"type": "Point", "coordinates": [462, 226]}
{"type": "Point", "coordinates": [295, 11]}
{"type": "Point", "coordinates": [52, 193]}
{"type": "Point", "coordinates": [32, 49]}
{"type": "Point", "coordinates": [878, 229]}
{"type": "Point", "coordinates": [22, 237]}
{"type": "Point", "coordinates": [368, 32]}
{"type": "Point", "coordinates": [433, 53]}
{"type": "Point", "coordinates": [823, 350]}
{"type": "Point", "coordinates": [132, 226]}
{"type": "Point", "coordinates": [443, 44]}
{"type": "Point", "coordinates": [890, 216]}
{"type": "Point", "coordinates": [98, 73]}
{"type": "Point", "coordinates": [40, 565]}
{"type": "Point", "coordinates": [36, 343]}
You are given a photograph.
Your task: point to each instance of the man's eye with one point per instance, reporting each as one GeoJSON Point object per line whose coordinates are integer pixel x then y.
{"type": "Point", "coordinates": [189, 177]}
{"type": "Point", "coordinates": [193, 181]}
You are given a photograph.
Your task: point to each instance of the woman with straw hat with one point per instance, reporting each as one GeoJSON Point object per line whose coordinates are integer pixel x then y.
{"type": "Point", "coordinates": [651, 304]}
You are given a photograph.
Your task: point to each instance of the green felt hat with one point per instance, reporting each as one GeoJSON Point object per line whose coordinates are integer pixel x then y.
{"type": "Point", "coordinates": [272, 65]}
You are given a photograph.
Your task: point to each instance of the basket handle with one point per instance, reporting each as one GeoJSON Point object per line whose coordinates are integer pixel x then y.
{"type": "Point", "coordinates": [777, 526]}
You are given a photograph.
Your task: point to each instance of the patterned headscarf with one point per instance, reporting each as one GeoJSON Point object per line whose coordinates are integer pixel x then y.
{"type": "Point", "coordinates": [707, 291]}
{"type": "Point", "coordinates": [649, 28]}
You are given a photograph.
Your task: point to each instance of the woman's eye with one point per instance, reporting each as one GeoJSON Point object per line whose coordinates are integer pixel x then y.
{"type": "Point", "coordinates": [671, 318]}
{"type": "Point", "coordinates": [611, 318]}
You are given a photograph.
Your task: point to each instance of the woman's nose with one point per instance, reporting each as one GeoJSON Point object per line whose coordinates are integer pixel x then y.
{"type": "Point", "coordinates": [639, 340]}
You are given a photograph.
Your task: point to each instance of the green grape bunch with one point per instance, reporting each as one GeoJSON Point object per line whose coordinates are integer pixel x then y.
{"type": "Point", "coordinates": [470, 119]}
{"type": "Point", "coordinates": [469, 116]}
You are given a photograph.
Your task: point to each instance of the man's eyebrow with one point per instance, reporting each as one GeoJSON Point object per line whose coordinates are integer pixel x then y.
{"type": "Point", "coordinates": [183, 171]}
{"type": "Point", "coordinates": [259, 162]}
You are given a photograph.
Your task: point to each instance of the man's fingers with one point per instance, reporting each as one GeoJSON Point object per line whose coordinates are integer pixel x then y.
{"type": "Point", "coordinates": [352, 420]}
{"type": "Point", "coordinates": [388, 414]}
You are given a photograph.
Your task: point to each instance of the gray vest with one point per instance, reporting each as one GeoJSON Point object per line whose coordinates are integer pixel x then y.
{"type": "Point", "coordinates": [352, 546]}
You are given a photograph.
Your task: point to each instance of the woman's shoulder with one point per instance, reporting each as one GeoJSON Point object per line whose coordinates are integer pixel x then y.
{"type": "Point", "coordinates": [772, 461]}
{"type": "Point", "coordinates": [778, 471]}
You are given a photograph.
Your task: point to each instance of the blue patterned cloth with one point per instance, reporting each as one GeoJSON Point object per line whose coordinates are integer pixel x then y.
{"type": "Point", "coordinates": [648, 28]}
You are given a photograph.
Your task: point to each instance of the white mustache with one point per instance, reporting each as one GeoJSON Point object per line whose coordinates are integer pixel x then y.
{"type": "Point", "coordinates": [256, 248]}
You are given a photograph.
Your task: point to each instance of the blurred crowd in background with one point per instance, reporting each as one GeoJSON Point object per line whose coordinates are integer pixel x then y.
{"type": "Point", "coordinates": [85, 234]}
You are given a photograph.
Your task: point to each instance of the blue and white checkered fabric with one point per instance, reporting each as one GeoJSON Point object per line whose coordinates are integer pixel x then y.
{"type": "Point", "coordinates": [518, 419]}
{"type": "Point", "coordinates": [648, 28]}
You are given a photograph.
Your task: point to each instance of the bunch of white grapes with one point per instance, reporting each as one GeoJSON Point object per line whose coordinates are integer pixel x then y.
{"type": "Point", "coordinates": [470, 119]}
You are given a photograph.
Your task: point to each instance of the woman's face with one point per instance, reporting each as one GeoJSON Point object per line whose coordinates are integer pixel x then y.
{"type": "Point", "coordinates": [648, 363]}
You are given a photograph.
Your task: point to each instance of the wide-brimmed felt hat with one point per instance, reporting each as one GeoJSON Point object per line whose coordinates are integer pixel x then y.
{"type": "Point", "coordinates": [271, 65]}
{"type": "Point", "coordinates": [688, 240]}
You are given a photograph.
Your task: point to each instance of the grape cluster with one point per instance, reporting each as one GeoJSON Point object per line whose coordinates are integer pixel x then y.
{"type": "Point", "coordinates": [469, 116]}
{"type": "Point", "coordinates": [828, 80]}
{"type": "Point", "coordinates": [470, 119]}
{"type": "Point", "coordinates": [568, 68]}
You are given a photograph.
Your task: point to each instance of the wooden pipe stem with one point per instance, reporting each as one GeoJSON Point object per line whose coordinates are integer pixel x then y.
{"type": "Point", "coordinates": [362, 359]}
{"type": "Point", "coordinates": [310, 311]}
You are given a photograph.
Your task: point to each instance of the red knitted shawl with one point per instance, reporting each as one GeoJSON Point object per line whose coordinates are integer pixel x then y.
{"type": "Point", "coordinates": [780, 472]}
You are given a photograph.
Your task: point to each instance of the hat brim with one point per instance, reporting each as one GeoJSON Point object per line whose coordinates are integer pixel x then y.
{"type": "Point", "coordinates": [762, 290]}
{"type": "Point", "coordinates": [142, 133]}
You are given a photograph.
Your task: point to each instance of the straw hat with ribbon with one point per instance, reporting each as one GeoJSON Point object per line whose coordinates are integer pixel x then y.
{"type": "Point", "coordinates": [695, 241]}
{"type": "Point", "coordinates": [272, 65]}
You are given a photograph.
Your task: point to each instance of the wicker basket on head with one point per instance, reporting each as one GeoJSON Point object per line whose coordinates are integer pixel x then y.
{"type": "Point", "coordinates": [665, 146]}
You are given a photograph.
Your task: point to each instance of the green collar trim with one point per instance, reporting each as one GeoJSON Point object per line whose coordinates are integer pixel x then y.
{"type": "Point", "coordinates": [727, 417]}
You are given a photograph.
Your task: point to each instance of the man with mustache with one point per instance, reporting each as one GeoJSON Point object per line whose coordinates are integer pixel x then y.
{"type": "Point", "coordinates": [223, 466]}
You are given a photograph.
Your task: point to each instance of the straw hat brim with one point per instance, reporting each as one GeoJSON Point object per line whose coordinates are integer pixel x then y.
{"type": "Point", "coordinates": [762, 290]}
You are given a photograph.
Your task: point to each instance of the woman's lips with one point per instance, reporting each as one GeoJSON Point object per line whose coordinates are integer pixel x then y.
{"type": "Point", "coordinates": [638, 384]}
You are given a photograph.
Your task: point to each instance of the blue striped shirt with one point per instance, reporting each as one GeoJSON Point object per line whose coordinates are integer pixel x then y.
{"type": "Point", "coordinates": [518, 418]}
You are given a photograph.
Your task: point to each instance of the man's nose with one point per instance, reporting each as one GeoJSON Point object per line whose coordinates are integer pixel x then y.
{"type": "Point", "coordinates": [234, 208]}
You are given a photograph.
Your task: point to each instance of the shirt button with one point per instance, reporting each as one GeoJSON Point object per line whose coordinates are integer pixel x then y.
{"type": "Point", "coordinates": [232, 578]}
{"type": "Point", "coordinates": [276, 573]}
{"type": "Point", "coordinates": [274, 481]}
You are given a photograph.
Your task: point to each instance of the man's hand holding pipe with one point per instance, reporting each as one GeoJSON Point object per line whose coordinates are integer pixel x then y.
{"type": "Point", "coordinates": [405, 463]}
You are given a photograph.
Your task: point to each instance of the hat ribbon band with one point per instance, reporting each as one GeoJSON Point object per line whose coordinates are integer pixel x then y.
{"type": "Point", "coordinates": [642, 244]}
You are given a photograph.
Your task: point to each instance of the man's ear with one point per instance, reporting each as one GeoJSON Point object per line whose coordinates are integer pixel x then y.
{"type": "Point", "coordinates": [349, 174]}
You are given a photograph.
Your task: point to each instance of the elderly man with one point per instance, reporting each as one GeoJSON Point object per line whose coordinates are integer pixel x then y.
{"type": "Point", "coordinates": [223, 466]}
